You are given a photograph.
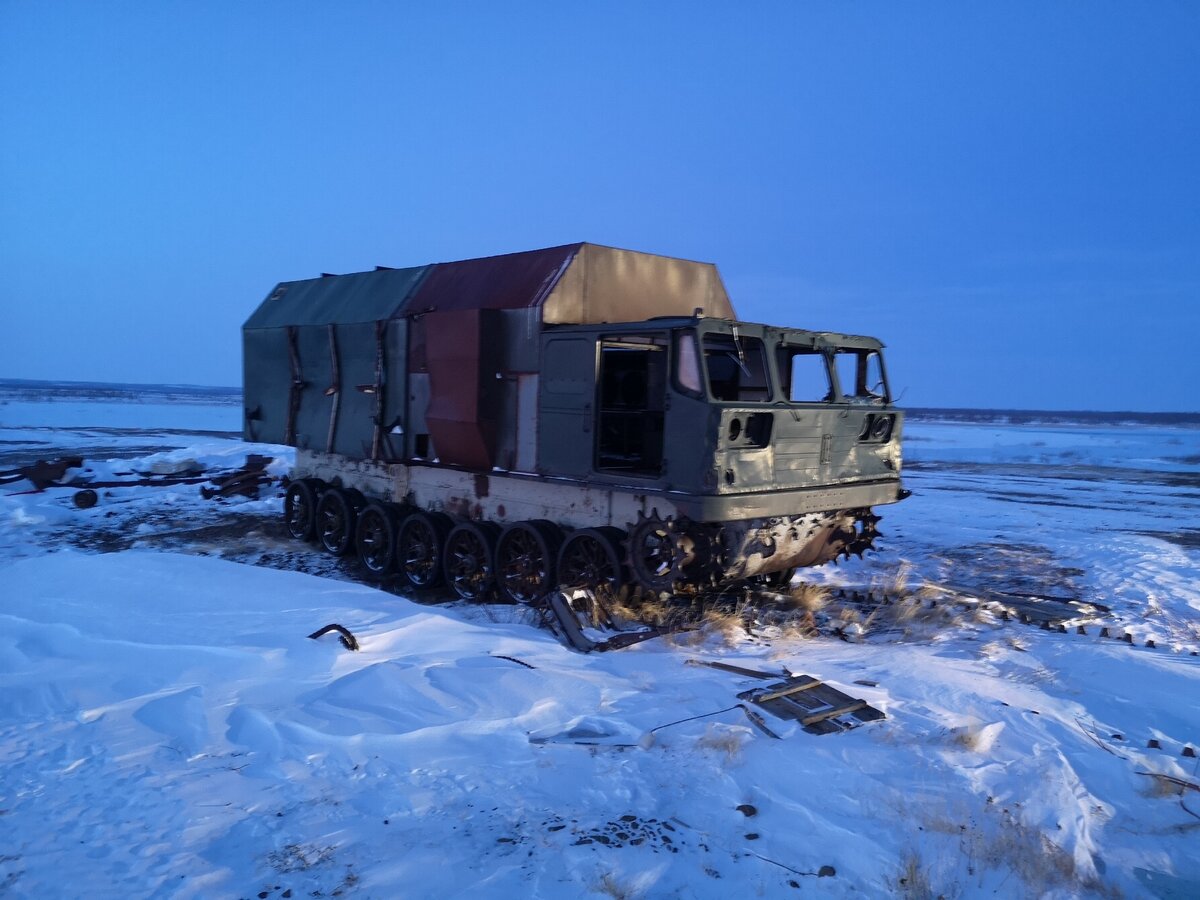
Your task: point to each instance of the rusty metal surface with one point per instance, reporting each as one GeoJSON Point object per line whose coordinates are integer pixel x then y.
{"type": "Point", "coordinates": [460, 418]}
{"type": "Point", "coordinates": [605, 284]}
{"type": "Point", "coordinates": [575, 284]}
{"type": "Point", "coordinates": [508, 281]}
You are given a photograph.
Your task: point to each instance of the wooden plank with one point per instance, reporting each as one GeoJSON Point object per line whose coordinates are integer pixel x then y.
{"type": "Point", "coordinates": [736, 670]}
{"type": "Point", "coordinates": [794, 688]}
{"type": "Point", "coordinates": [833, 713]}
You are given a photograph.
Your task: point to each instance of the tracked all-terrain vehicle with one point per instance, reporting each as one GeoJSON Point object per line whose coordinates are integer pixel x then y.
{"type": "Point", "coordinates": [577, 416]}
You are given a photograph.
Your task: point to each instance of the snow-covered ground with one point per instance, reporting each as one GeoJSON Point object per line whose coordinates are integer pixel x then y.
{"type": "Point", "coordinates": [167, 729]}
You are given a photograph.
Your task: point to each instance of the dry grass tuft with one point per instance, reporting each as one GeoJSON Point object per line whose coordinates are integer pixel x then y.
{"type": "Point", "coordinates": [965, 737]}
{"type": "Point", "coordinates": [1163, 787]}
{"type": "Point", "coordinates": [975, 738]}
{"type": "Point", "coordinates": [931, 590]}
{"type": "Point", "coordinates": [723, 740]}
{"type": "Point", "coordinates": [906, 609]}
{"type": "Point", "coordinates": [800, 628]}
{"type": "Point", "coordinates": [848, 614]}
{"type": "Point", "coordinates": [991, 650]}
{"type": "Point", "coordinates": [808, 598]}
{"type": "Point", "coordinates": [1041, 865]}
{"type": "Point", "coordinates": [1017, 644]}
{"type": "Point", "coordinates": [730, 625]}
{"type": "Point", "coordinates": [610, 886]}
{"type": "Point", "coordinates": [913, 881]}
{"type": "Point", "coordinates": [1040, 862]}
{"type": "Point", "coordinates": [899, 584]}
{"type": "Point", "coordinates": [691, 638]}
{"type": "Point", "coordinates": [646, 607]}
{"type": "Point", "coordinates": [981, 614]}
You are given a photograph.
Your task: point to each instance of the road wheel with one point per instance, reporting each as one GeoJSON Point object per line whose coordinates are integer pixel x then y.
{"type": "Point", "coordinates": [527, 560]}
{"type": "Point", "coordinates": [469, 562]}
{"type": "Point", "coordinates": [420, 540]}
{"type": "Point", "coordinates": [335, 521]}
{"type": "Point", "coordinates": [591, 558]}
{"type": "Point", "coordinates": [660, 550]}
{"type": "Point", "coordinates": [299, 509]}
{"type": "Point", "coordinates": [375, 539]}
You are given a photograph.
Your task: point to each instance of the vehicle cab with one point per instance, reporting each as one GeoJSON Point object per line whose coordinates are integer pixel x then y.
{"type": "Point", "coordinates": [717, 407]}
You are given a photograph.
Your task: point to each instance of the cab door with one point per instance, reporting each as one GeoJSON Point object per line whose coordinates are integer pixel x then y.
{"type": "Point", "coordinates": [566, 401]}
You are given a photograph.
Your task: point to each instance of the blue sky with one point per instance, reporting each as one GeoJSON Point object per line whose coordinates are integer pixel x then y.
{"type": "Point", "coordinates": [1007, 194]}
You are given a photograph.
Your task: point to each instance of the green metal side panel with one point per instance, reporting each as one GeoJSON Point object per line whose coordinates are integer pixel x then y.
{"type": "Point", "coordinates": [356, 413]}
{"type": "Point", "coordinates": [359, 297]}
{"type": "Point", "coordinates": [312, 417]}
{"type": "Point", "coordinates": [266, 379]}
{"type": "Point", "coordinates": [336, 407]}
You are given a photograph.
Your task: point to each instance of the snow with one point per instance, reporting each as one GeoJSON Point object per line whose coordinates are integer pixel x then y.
{"type": "Point", "coordinates": [167, 728]}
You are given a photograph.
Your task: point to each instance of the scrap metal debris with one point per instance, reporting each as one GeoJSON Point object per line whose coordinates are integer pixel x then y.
{"type": "Point", "coordinates": [42, 474]}
{"type": "Point", "coordinates": [349, 641]}
{"type": "Point", "coordinates": [818, 707]}
{"type": "Point", "coordinates": [1027, 607]}
{"type": "Point", "coordinates": [85, 499]}
{"type": "Point", "coordinates": [245, 481]}
{"type": "Point", "coordinates": [519, 662]}
{"type": "Point", "coordinates": [560, 616]}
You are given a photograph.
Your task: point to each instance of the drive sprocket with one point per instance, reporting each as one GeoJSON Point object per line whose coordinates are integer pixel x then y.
{"type": "Point", "coordinates": [864, 536]}
{"type": "Point", "coordinates": [659, 550]}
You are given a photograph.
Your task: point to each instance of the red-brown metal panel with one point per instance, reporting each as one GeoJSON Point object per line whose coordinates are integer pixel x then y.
{"type": "Point", "coordinates": [459, 420]}
{"type": "Point", "coordinates": [510, 281]}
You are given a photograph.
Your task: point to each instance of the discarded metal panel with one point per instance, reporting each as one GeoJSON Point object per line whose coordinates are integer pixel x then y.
{"type": "Point", "coordinates": [349, 641]}
{"type": "Point", "coordinates": [819, 708]}
{"type": "Point", "coordinates": [244, 482]}
{"type": "Point", "coordinates": [561, 617]}
{"type": "Point", "coordinates": [42, 474]}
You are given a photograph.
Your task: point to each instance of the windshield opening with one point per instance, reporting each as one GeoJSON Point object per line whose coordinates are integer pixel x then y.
{"type": "Point", "coordinates": [737, 368]}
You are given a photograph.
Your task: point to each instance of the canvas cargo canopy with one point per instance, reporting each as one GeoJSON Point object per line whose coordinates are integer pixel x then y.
{"type": "Point", "coordinates": [374, 365]}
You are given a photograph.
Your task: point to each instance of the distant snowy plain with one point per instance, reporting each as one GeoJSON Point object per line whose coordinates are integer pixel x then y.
{"type": "Point", "coordinates": [166, 728]}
